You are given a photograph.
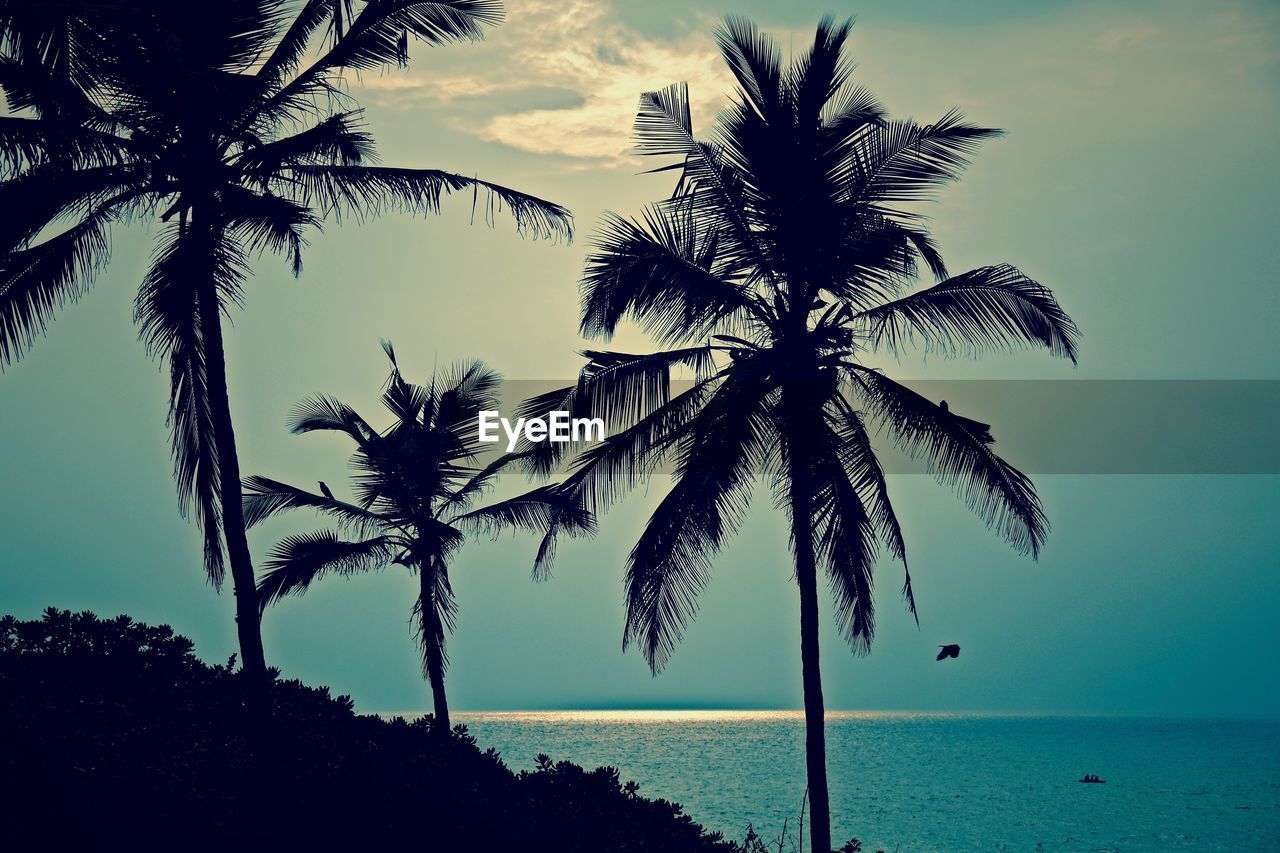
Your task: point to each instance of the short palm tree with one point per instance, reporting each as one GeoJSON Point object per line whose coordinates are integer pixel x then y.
{"type": "Point", "coordinates": [417, 485]}
{"type": "Point", "coordinates": [784, 258]}
{"type": "Point", "coordinates": [230, 126]}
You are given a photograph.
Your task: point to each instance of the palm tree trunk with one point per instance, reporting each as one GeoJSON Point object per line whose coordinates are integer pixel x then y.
{"type": "Point", "coordinates": [433, 652]}
{"type": "Point", "coordinates": [440, 703]}
{"type": "Point", "coordinates": [814, 712]}
{"type": "Point", "coordinates": [815, 742]}
{"type": "Point", "coordinates": [248, 621]}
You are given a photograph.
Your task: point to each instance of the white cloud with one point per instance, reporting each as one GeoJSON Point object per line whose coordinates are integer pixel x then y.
{"type": "Point", "coordinates": [563, 77]}
{"type": "Point", "coordinates": [439, 88]}
{"type": "Point", "coordinates": [578, 47]}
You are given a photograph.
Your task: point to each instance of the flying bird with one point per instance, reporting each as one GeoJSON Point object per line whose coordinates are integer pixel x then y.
{"type": "Point", "coordinates": [324, 490]}
{"type": "Point", "coordinates": [951, 651]}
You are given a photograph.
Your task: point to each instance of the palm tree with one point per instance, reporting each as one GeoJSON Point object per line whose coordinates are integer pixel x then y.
{"type": "Point", "coordinates": [786, 257]}
{"type": "Point", "coordinates": [417, 485]}
{"type": "Point", "coordinates": [230, 126]}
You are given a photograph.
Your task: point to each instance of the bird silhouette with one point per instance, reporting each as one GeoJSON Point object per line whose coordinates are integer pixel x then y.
{"type": "Point", "coordinates": [324, 490]}
{"type": "Point", "coordinates": [980, 431]}
{"type": "Point", "coordinates": [951, 651]}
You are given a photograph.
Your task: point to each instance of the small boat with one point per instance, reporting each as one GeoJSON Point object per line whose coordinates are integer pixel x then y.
{"type": "Point", "coordinates": [1093, 780]}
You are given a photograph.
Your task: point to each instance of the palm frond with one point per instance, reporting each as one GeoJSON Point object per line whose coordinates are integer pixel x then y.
{"type": "Point", "coordinates": [193, 438]}
{"type": "Point", "coordinates": [878, 256]}
{"type": "Point", "coordinates": [264, 497]}
{"type": "Point", "coordinates": [662, 273]}
{"type": "Point", "coordinates": [323, 412]}
{"type": "Point", "coordinates": [291, 47]}
{"type": "Point", "coordinates": [267, 223]}
{"type": "Point", "coordinates": [165, 301]}
{"type": "Point", "coordinates": [670, 563]}
{"type": "Point", "coordinates": [623, 388]}
{"type": "Point", "coordinates": [755, 61]}
{"type": "Point", "coordinates": [873, 259]}
{"type": "Point", "coordinates": [339, 139]}
{"type": "Point", "coordinates": [904, 162]}
{"type": "Point", "coordinates": [409, 402]}
{"type": "Point", "coordinates": [864, 470]}
{"type": "Point", "coordinates": [35, 282]}
{"type": "Point", "coordinates": [540, 459]}
{"type": "Point", "coordinates": [343, 13]}
{"type": "Point", "coordinates": [844, 539]}
{"type": "Point", "coordinates": [377, 37]}
{"type": "Point", "coordinates": [36, 199]}
{"type": "Point", "coordinates": [545, 556]}
{"type": "Point", "coordinates": [536, 510]}
{"type": "Point", "coordinates": [608, 470]}
{"type": "Point", "coordinates": [852, 112]}
{"type": "Point", "coordinates": [54, 34]}
{"type": "Point", "coordinates": [817, 75]}
{"type": "Point", "coordinates": [170, 313]}
{"type": "Point", "coordinates": [925, 247]}
{"type": "Point", "coordinates": [434, 613]}
{"type": "Point", "coordinates": [28, 143]}
{"type": "Point", "coordinates": [481, 480]}
{"type": "Point", "coordinates": [664, 124]}
{"type": "Point", "coordinates": [987, 308]}
{"type": "Point", "coordinates": [466, 389]}
{"type": "Point", "coordinates": [300, 560]}
{"type": "Point", "coordinates": [195, 448]}
{"type": "Point", "coordinates": [33, 85]}
{"type": "Point", "coordinates": [1001, 495]}
{"type": "Point", "coordinates": [363, 191]}
{"type": "Point", "coordinates": [709, 190]}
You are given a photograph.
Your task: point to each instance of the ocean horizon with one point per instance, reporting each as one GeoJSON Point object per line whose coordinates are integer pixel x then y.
{"type": "Point", "coordinates": [933, 780]}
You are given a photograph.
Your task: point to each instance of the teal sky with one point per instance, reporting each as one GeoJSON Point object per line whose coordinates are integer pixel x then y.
{"type": "Point", "coordinates": [1138, 179]}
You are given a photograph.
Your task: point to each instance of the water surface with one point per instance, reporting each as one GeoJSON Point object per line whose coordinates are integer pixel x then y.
{"type": "Point", "coordinates": [954, 782]}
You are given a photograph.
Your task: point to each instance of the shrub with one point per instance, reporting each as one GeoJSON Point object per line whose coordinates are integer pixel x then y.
{"type": "Point", "coordinates": [115, 732]}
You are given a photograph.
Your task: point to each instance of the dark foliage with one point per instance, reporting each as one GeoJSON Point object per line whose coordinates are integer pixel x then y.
{"type": "Point", "coordinates": [100, 132]}
{"type": "Point", "coordinates": [117, 735]}
{"type": "Point", "coordinates": [230, 129]}
{"type": "Point", "coordinates": [418, 485]}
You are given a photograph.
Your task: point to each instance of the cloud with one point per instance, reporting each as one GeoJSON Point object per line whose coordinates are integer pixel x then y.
{"type": "Point", "coordinates": [562, 77]}
{"type": "Point", "coordinates": [438, 88]}
{"type": "Point", "coordinates": [578, 46]}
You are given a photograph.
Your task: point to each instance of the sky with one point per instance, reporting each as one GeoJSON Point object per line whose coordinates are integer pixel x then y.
{"type": "Point", "coordinates": [1138, 179]}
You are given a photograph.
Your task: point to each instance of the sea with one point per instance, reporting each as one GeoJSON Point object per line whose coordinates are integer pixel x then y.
{"type": "Point", "coordinates": [935, 782]}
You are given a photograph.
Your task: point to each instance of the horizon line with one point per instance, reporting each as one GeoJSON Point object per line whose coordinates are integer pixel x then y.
{"type": "Point", "coordinates": [742, 711]}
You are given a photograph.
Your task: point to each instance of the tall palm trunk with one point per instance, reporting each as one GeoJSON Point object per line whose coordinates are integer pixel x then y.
{"type": "Point", "coordinates": [433, 651]}
{"type": "Point", "coordinates": [248, 620]}
{"type": "Point", "coordinates": [815, 743]}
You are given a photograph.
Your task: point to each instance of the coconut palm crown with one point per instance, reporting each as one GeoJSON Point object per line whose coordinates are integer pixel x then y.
{"type": "Point", "coordinates": [231, 129]}
{"type": "Point", "coordinates": [418, 486]}
{"type": "Point", "coordinates": [786, 259]}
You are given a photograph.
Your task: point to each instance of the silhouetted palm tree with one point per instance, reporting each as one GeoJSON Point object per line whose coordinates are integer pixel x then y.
{"type": "Point", "coordinates": [416, 486]}
{"type": "Point", "coordinates": [783, 259]}
{"type": "Point", "coordinates": [231, 125]}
